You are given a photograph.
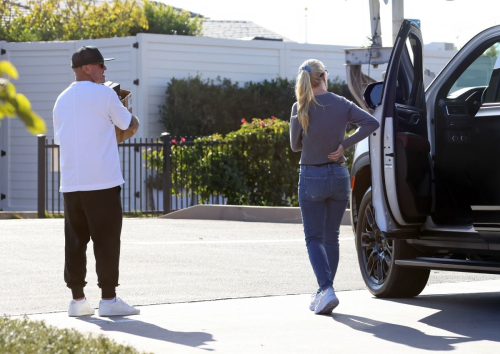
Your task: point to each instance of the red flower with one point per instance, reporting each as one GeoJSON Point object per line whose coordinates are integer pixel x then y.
{"type": "Point", "coordinates": [243, 120]}
{"type": "Point", "coordinates": [183, 140]}
{"type": "Point", "coordinates": [173, 141]}
{"type": "Point", "coordinates": [273, 117]}
{"type": "Point", "coordinates": [261, 123]}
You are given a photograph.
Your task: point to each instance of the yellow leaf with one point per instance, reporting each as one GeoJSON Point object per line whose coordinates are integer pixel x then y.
{"type": "Point", "coordinates": [23, 105]}
{"type": "Point", "coordinates": [10, 89]}
{"type": "Point", "coordinates": [8, 109]}
{"type": "Point", "coordinates": [34, 123]}
{"type": "Point", "coordinates": [8, 69]}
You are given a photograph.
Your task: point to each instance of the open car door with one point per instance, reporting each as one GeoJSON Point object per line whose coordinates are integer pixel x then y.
{"type": "Point", "coordinates": [399, 151]}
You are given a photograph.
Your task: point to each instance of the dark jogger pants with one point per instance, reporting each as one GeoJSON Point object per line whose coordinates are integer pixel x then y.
{"type": "Point", "coordinates": [97, 215]}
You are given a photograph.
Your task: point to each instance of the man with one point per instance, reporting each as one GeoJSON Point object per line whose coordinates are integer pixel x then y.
{"type": "Point", "coordinates": [85, 116]}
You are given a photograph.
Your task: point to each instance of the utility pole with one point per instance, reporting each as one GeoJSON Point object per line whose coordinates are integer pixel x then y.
{"type": "Point", "coordinates": [306, 22]}
{"type": "Point", "coordinates": [398, 8]}
{"type": "Point", "coordinates": [375, 23]}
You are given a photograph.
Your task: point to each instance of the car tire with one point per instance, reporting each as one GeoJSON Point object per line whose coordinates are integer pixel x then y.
{"type": "Point", "coordinates": [377, 256]}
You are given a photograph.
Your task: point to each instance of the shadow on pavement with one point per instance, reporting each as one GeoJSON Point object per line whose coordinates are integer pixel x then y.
{"type": "Point", "coordinates": [469, 317]}
{"type": "Point", "coordinates": [148, 330]}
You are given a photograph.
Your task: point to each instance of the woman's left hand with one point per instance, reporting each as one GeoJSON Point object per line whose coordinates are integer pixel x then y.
{"type": "Point", "coordinates": [337, 154]}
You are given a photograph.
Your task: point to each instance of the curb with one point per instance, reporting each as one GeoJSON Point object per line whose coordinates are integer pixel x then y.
{"type": "Point", "coordinates": [289, 215]}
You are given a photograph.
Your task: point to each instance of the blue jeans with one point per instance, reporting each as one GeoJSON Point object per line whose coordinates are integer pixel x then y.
{"type": "Point", "coordinates": [323, 196]}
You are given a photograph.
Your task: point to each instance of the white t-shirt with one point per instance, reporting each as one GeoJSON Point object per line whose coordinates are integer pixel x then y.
{"type": "Point", "coordinates": [85, 115]}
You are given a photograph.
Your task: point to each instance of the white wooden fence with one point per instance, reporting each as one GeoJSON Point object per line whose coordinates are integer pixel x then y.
{"type": "Point", "coordinates": [143, 64]}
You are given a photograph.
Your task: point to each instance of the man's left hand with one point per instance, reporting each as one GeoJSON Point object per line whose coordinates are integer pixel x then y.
{"type": "Point", "coordinates": [134, 124]}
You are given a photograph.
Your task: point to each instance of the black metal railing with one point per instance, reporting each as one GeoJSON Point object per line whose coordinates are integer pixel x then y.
{"type": "Point", "coordinates": [158, 176]}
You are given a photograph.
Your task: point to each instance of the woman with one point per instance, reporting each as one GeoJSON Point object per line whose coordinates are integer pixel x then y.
{"type": "Point", "coordinates": [317, 128]}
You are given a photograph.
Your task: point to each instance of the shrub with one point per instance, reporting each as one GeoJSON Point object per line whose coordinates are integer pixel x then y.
{"type": "Point", "coordinates": [204, 107]}
{"type": "Point", "coordinates": [49, 20]}
{"type": "Point", "coordinates": [24, 336]}
{"type": "Point", "coordinates": [164, 19]}
{"type": "Point", "coordinates": [251, 166]}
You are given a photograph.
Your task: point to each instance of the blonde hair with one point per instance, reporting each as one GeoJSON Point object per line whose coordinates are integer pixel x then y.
{"type": "Point", "coordinates": [309, 76]}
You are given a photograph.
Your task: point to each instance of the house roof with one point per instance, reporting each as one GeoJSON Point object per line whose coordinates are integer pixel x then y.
{"type": "Point", "coordinates": [239, 30]}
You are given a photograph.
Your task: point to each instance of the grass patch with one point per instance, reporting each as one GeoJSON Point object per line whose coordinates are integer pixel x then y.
{"type": "Point", "coordinates": [132, 214]}
{"type": "Point", "coordinates": [25, 336]}
{"type": "Point", "coordinates": [54, 215]}
{"type": "Point", "coordinates": [140, 214]}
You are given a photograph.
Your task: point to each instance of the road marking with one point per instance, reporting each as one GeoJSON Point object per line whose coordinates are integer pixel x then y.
{"type": "Point", "coordinates": [201, 242]}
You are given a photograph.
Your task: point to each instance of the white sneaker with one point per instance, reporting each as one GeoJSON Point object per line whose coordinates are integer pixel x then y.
{"type": "Point", "coordinates": [314, 301]}
{"type": "Point", "coordinates": [117, 308]}
{"type": "Point", "coordinates": [327, 302]}
{"type": "Point", "coordinates": [80, 308]}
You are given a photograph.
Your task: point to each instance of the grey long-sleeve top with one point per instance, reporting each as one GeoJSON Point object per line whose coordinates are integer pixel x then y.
{"type": "Point", "coordinates": [327, 126]}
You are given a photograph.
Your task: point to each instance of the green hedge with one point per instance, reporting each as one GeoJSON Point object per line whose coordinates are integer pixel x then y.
{"type": "Point", "coordinates": [197, 107]}
{"type": "Point", "coordinates": [251, 166]}
{"type": "Point", "coordinates": [24, 336]}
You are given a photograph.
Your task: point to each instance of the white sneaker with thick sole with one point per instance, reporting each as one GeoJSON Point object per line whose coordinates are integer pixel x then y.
{"type": "Point", "coordinates": [80, 308]}
{"type": "Point", "coordinates": [327, 302]}
{"type": "Point", "coordinates": [314, 301]}
{"type": "Point", "coordinates": [117, 308]}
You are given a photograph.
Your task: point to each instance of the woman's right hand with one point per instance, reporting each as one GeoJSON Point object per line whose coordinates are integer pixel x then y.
{"type": "Point", "coordinates": [337, 154]}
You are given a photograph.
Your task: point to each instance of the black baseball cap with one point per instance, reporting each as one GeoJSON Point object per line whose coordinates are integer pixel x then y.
{"type": "Point", "coordinates": [87, 55]}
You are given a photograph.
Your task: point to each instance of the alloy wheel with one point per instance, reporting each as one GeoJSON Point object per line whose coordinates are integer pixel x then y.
{"type": "Point", "coordinates": [376, 250]}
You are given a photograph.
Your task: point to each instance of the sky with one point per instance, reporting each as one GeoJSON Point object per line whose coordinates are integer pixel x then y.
{"type": "Point", "coordinates": [347, 22]}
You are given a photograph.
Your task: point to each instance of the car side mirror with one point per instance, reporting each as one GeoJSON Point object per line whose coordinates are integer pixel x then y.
{"type": "Point", "coordinates": [373, 94]}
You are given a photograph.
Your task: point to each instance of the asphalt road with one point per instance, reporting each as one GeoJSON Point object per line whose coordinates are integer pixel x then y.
{"type": "Point", "coordinates": [168, 261]}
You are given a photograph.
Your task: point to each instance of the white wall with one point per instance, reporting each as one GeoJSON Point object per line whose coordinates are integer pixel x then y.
{"type": "Point", "coordinates": [166, 57]}
{"type": "Point", "coordinates": [44, 69]}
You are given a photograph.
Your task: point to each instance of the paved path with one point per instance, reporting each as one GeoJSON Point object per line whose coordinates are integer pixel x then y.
{"type": "Point", "coordinates": [459, 317]}
{"type": "Point", "coordinates": [171, 261]}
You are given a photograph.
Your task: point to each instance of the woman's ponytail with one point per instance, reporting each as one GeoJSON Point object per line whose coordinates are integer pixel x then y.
{"type": "Point", "coordinates": [309, 76]}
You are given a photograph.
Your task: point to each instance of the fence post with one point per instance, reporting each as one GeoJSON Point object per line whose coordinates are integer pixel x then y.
{"type": "Point", "coordinates": [167, 174]}
{"type": "Point", "coordinates": [41, 175]}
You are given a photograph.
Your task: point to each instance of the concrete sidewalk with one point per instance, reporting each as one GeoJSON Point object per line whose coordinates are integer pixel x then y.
{"type": "Point", "coordinates": [290, 215]}
{"type": "Point", "coordinates": [463, 317]}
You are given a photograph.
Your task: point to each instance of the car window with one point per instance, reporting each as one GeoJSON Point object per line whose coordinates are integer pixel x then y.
{"type": "Point", "coordinates": [409, 48]}
{"type": "Point", "coordinates": [406, 90]}
{"type": "Point", "coordinates": [479, 72]}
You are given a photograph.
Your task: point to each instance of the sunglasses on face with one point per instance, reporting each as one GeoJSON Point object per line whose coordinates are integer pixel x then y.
{"type": "Point", "coordinates": [101, 65]}
{"type": "Point", "coordinates": [325, 73]}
